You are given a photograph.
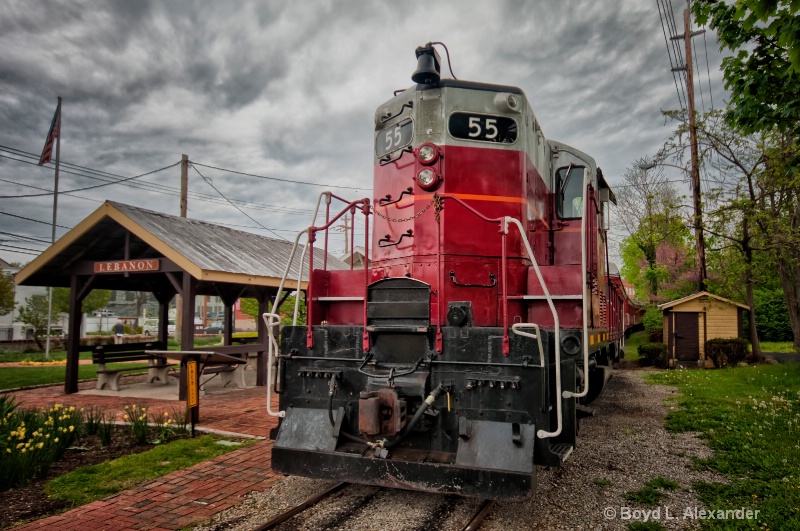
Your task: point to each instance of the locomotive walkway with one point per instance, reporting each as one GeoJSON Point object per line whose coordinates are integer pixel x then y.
{"type": "Point", "coordinates": [184, 497]}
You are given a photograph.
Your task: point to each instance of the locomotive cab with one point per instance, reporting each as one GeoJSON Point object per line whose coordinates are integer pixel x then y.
{"type": "Point", "coordinates": [453, 362]}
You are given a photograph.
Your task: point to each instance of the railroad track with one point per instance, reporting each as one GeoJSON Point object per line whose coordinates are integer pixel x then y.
{"type": "Point", "coordinates": [483, 510]}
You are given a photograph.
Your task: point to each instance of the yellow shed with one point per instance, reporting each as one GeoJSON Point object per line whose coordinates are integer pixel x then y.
{"type": "Point", "coordinates": [691, 321]}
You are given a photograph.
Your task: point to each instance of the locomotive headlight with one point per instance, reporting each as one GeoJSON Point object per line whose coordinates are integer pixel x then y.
{"type": "Point", "coordinates": [507, 102]}
{"type": "Point", "coordinates": [427, 154]}
{"type": "Point", "coordinates": [428, 178]}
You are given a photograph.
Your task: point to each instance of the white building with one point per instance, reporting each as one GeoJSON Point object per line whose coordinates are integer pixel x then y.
{"type": "Point", "coordinates": [9, 328]}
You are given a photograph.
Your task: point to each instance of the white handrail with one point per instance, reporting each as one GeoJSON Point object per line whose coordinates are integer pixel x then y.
{"type": "Point", "coordinates": [327, 196]}
{"type": "Point", "coordinates": [559, 421]}
{"type": "Point", "coordinates": [517, 329]}
{"type": "Point", "coordinates": [583, 281]}
{"type": "Point", "coordinates": [271, 319]}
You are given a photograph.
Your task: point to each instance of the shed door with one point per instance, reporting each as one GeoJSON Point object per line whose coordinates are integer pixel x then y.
{"type": "Point", "coordinates": [687, 342]}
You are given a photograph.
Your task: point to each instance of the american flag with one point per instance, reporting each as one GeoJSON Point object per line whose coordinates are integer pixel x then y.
{"type": "Point", "coordinates": [55, 132]}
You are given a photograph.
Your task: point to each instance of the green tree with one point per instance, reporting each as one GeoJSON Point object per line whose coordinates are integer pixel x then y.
{"type": "Point", "coordinates": [34, 314]}
{"type": "Point", "coordinates": [648, 210]}
{"type": "Point", "coordinates": [763, 72]}
{"type": "Point", "coordinates": [250, 307]}
{"type": "Point", "coordinates": [6, 293]}
{"type": "Point", "coordinates": [95, 300]}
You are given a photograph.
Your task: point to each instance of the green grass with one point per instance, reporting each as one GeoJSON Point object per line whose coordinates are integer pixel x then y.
{"type": "Point", "coordinates": [750, 417]}
{"type": "Point", "coordinates": [14, 377]}
{"type": "Point", "coordinates": [632, 345]}
{"type": "Point", "coordinates": [778, 346]}
{"type": "Point", "coordinates": [646, 526]}
{"type": "Point", "coordinates": [91, 483]}
{"type": "Point", "coordinates": [652, 492]}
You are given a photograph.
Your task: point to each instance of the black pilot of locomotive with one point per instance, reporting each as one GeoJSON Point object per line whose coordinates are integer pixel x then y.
{"type": "Point", "coordinates": [454, 360]}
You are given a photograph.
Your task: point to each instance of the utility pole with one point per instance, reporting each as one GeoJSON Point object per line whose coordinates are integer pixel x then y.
{"type": "Point", "coordinates": [695, 170]}
{"type": "Point", "coordinates": [184, 194]}
{"type": "Point", "coordinates": [184, 183]}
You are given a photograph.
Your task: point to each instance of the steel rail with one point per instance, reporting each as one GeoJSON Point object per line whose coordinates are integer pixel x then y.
{"type": "Point", "coordinates": [482, 512]}
{"type": "Point", "coordinates": [310, 502]}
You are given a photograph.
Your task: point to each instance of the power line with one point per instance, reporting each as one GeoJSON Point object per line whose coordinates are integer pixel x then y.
{"type": "Point", "coordinates": [25, 237]}
{"type": "Point", "coordinates": [151, 187]}
{"type": "Point", "coordinates": [708, 71]}
{"type": "Point", "coordinates": [208, 181]}
{"type": "Point", "coordinates": [279, 179]}
{"type": "Point", "coordinates": [672, 65]}
{"type": "Point", "coordinates": [34, 220]}
{"type": "Point", "coordinates": [85, 187]}
{"type": "Point", "coordinates": [40, 188]}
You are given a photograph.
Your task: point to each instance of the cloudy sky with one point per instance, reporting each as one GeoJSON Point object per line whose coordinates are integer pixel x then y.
{"type": "Point", "coordinates": [288, 90]}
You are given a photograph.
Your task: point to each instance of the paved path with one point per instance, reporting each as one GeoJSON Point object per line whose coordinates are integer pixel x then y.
{"type": "Point", "coordinates": [184, 497]}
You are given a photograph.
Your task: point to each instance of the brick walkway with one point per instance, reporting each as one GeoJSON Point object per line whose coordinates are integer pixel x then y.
{"type": "Point", "coordinates": [184, 497]}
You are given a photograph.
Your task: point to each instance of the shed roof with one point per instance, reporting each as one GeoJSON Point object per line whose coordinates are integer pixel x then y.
{"type": "Point", "coordinates": [208, 252]}
{"type": "Point", "coordinates": [683, 300]}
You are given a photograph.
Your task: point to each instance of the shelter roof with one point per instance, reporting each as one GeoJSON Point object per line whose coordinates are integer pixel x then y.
{"type": "Point", "coordinates": [210, 253]}
{"type": "Point", "coordinates": [698, 295]}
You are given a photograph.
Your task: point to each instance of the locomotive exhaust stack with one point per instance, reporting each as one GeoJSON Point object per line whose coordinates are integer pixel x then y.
{"type": "Point", "coordinates": [452, 361]}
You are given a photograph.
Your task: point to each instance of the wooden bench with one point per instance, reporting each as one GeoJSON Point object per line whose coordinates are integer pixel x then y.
{"type": "Point", "coordinates": [157, 366]}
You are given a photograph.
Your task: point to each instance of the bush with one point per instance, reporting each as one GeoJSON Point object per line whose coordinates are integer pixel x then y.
{"type": "Point", "coordinates": [727, 352]}
{"type": "Point", "coordinates": [656, 335]}
{"type": "Point", "coordinates": [653, 319]}
{"type": "Point", "coordinates": [772, 316]}
{"type": "Point", "coordinates": [654, 353]}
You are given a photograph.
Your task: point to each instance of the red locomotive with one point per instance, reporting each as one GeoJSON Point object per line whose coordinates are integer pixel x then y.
{"type": "Point", "coordinates": [453, 362]}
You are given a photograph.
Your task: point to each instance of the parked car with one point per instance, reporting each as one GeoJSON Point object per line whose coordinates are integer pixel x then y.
{"type": "Point", "coordinates": [215, 328]}
{"type": "Point", "coordinates": [150, 327]}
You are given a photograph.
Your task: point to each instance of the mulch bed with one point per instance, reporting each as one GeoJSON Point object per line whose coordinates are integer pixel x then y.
{"type": "Point", "coordinates": [28, 503]}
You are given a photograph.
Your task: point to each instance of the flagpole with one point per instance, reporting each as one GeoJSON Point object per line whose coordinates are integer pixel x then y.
{"type": "Point", "coordinates": [53, 235]}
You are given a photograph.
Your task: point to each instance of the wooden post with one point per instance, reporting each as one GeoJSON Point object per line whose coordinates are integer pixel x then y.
{"type": "Point", "coordinates": [261, 364]}
{"type": "Point", "coordinates": [73, 337]}
{"type": "Point", "coordinates": [179, 316]}
{"type": "Point", "coordinates": [698, 209]}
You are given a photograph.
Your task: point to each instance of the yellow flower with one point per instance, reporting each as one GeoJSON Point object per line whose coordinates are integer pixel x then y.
{"type": "Point", "coordinates": [72, 428]}
{"type": "Point", "coordinates": [55, 439]}
{"type": "Point", "coordinates": [22, 451]}
{"type": "Point", "coordinates": [40, 446]}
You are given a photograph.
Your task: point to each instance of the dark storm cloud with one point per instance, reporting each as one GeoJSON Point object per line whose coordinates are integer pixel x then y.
{"type": "Point", "coordinates": [289, 90]}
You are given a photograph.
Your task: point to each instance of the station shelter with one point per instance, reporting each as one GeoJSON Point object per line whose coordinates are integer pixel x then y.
{"type": "Point", "coordinates": [121, 247]}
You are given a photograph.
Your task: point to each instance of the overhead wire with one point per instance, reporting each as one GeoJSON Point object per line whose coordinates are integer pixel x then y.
{"type": "Point", "coordinates": [85, 187]}
{"type": "Point", "coordinates": [154, 187]}
{"type": "Point", "coordinates": [669, 54]}
{"type": "Point", "coordinates": [22, 236]}
{"type": "Point", "coordinates": [708, 70]}
{"type": "Point", "coordinates": [208, 182]}
{"type": "Point", "coordinates": [279, 179]}
{"type": "Point", "coordinates": [35, 220]}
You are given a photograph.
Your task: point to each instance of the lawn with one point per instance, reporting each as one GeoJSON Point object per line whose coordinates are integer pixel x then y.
{"type": "Point", "coordinates": [750, 417]}
{"type": "Point", "coordinates": [45, 372]}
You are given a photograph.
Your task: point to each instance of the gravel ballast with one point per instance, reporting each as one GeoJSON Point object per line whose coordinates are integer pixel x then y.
{"type": "Point", "coordinates": [622, 447]}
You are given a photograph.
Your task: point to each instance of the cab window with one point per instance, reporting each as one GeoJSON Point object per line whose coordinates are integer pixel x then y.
{"type": "Point", "coordinates": [569, 181]}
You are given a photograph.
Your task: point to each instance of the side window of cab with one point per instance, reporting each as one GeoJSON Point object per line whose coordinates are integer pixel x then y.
{"type": "Point", "coordinates": [569, 182]}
